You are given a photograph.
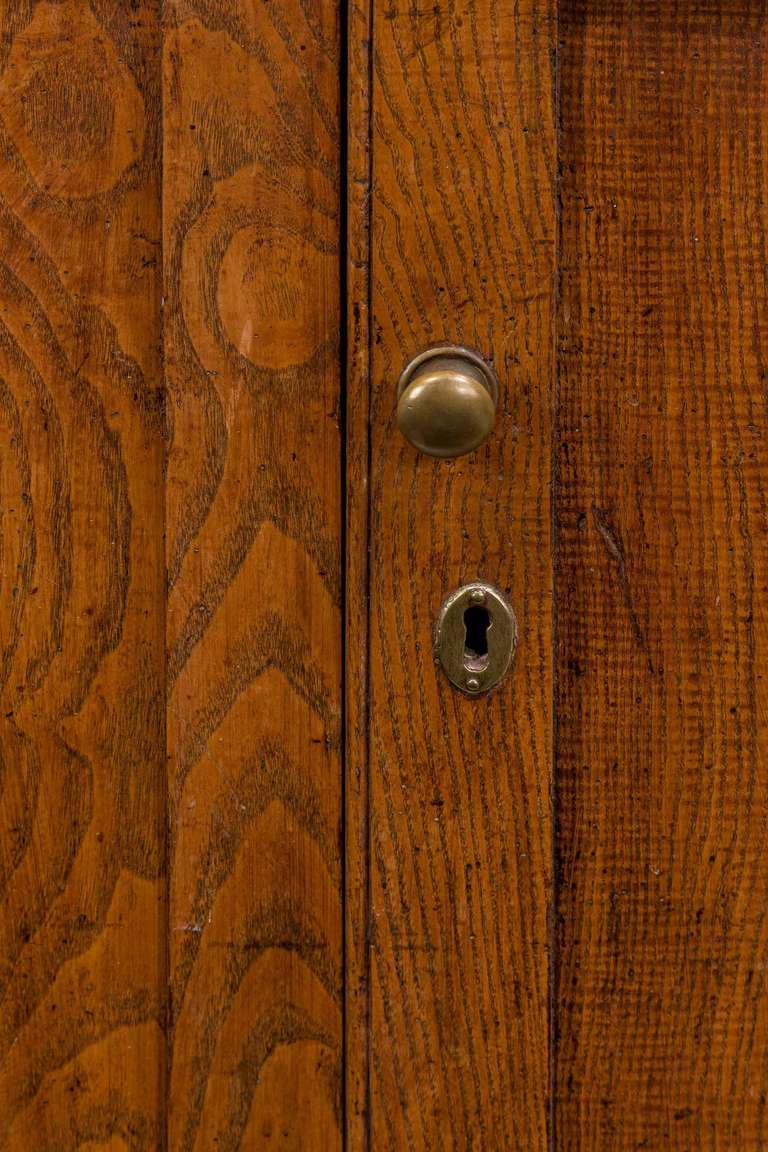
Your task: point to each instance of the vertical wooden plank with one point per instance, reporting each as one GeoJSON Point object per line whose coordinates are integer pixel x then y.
{"type": "Point", "coordinates": [357, 74]}
{"type": "Point", "coordinates": [460, 830]}
{"type": "Point", "coordinates": [251, 209]}
{"type": "Point", "coordinates": [82, 796]}
{"type": "Point", "coordinates": [662, 577]}
{"type": "Point", "coordinates": [82, 590]}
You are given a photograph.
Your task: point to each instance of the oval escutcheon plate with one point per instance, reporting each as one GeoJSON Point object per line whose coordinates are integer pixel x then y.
{"type": "Point", "coordinates": [476, 637]}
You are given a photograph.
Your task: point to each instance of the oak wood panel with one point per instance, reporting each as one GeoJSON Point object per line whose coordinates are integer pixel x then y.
{"type": "Point", "coordinates": [463, 157]}
{"type": "Point", "coordinates": [251, 229]}
{"type": "Point", "coordinates": [82, 925]}
{"type": "Point", "coordinates": [662, 789]}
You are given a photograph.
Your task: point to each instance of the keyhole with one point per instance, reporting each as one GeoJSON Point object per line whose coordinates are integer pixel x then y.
{"type": "Point", "coordinates": [477, 621]}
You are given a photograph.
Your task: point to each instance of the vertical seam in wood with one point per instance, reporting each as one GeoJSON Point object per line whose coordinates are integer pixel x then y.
{"type": "Point", "coordinates": [166, 862]}
{"type": "Point", "coordinates": [344, 21]}
{"type": "Point", "coordinates": [553, 938]}
{"type": "Point", "coordinates": [343, 355]}
{"type": "Point", "coordinates": [368, 623]}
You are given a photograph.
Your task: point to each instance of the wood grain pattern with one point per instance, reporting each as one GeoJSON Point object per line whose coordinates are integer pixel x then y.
{"type": "Point", "coordinates": [187, 960]}
{"type": "Point", "coordinates": [662, 789]}
{"type": "Point", "coordinates": [82, 667]}
{"type": "Point", "coordinates": [251, 228]}
{"type": "Point", "coordinates": [460, 832]}
{"type": "Point", "coordinates": [82, 588]}
{"type": "Point", "coordinates": [357, 447]}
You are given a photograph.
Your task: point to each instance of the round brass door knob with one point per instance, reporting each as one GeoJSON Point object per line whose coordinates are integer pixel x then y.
{"type": "Point", "coordinates": [447, 401]}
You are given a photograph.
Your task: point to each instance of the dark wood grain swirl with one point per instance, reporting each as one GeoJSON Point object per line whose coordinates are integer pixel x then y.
{"type": "Point", "coordinates": [251, 227]}
{"type": "Point", "coordinates": [82, 586]}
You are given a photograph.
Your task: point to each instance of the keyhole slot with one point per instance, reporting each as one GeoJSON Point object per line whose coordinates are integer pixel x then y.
{"type": "Point", "coordinates": [477, 621]}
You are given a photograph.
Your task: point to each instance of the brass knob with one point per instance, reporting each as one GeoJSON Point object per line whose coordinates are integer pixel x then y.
{"type": "Point", "coordinates": [447, 401]}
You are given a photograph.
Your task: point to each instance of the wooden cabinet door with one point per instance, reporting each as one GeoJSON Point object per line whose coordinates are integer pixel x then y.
{"type": "Point", "coordinates": [268, 880]}
{"type": "Point", "coordinates": [458, 161]}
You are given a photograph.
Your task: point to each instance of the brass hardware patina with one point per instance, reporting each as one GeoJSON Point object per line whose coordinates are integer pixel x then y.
{"type": "Point", "coordinates": [476, 637]}
{"type": "Point", "coordinates": [447, 401]}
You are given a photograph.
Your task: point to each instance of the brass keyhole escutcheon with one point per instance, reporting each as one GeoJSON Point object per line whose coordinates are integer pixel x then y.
{"type": "Point", "coordinates": [476, 637]}
{"type": "Point", "coordinates": [447, 401]}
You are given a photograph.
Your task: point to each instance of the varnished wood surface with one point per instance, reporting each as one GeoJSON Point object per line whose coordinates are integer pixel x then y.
{"type": "Point", "coordinates": [245, 324]}
{"type": "Point", "coordinates": [357, 284]}
{"type": "Point", "coordinates": [82, 666]}
{"type": "Point", "coordinates": [251, 212]}
{"type": "Point", "coordinates": [462, 249]}
{"type": "Point", "coordinates": [662, 578]}
{"type": "Point", "coordinates": [178, 968]}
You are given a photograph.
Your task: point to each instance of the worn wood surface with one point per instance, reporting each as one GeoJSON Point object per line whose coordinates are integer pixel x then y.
{"type": "Point", "coordinates": [82, 830]}
{"type": "Point", "coordinates": [177, 966]}
{"type": "Point", "coordinates": [662, 788]}
{"type": "Point", "coordinates": [463, 166]}
{"type": "Point", "coordinates": [251, 229]}
{"type": "Point", "coordinates": [357, 284]}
